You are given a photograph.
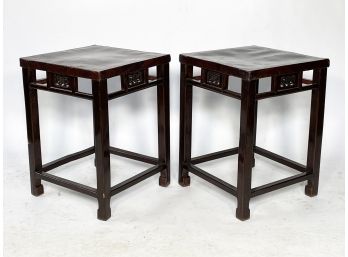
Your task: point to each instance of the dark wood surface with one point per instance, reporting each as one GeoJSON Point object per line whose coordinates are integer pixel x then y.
{"type": "Point", "coordinates": [185, 130]}
{"type": "Point", "coordinates": [252, 62]}
{"type": "Point", "coordinates": [316, 126]}
{"type": "Point", "coordinates": [33, 131]}
{"type": "Point", "coordinates": [102, 147]}
{"type": "Point", "coordinates": [246, 147]}
{"type": "Point", "coordinates": [163, 114]}
{"type": "Point", "coordinates": [94, 62]}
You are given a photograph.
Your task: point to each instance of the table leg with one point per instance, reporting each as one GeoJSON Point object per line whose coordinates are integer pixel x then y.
{"type": "Point", "coordinates": [185, 123]}
{"type": "Point", "coordinates": [33, 130]}
{"type": "Point", "coordinates": [255, 126]}
{"type": "Point", "coordinates": [101, 143]}
{"type": "Point", "coordinates": [316, 131]}
{"type": "Point", "coordinates": [246, 148]}
{"type": "Point", "coordinates": [163, 123]}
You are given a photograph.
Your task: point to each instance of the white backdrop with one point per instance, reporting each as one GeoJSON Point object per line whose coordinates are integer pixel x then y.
{"type": "Point", "coordinates": [313, 27]}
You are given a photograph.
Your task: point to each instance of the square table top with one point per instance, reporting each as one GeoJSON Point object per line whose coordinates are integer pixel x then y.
{"type": "Point", "coordinates": [94, 62]}
{"type": "Point", "coordinates": [253, 62]}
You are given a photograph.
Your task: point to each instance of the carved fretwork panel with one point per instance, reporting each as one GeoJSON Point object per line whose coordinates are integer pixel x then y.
{"type": "Point", "coordinates": [61, 82]}
{"type": "Point", "coordinates": [134, 79]}
{"type": "Point", "coordinates": [214, 78]}
{"type": "Point", "coordinates": [287, 81]}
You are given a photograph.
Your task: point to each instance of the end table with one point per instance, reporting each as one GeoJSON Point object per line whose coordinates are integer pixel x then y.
{"type": "Point", "coordinates": [252, 63]}
{"type": "Point", "coordinates": [97, 63]}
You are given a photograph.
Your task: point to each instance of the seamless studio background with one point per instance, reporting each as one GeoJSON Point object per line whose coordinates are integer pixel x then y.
{"type": "Point", "coordinates": [173, 221]}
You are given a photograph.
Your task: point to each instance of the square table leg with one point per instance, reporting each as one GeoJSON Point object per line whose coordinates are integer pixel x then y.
{"type": "Point", "coordinates": [185, 123]}
{"type": "Point", "coordinates": [316, 130]}
{"type": "Point", "coordinates": [102, 144]}
{"type": "Point", "coordinates": [255, 120]}
{"type": "Point", "coordinates": [33, 130]}
{"type": "Point", "coordinates": [163, 123]}
{"type": "Point", "coordinates": [246, 148]}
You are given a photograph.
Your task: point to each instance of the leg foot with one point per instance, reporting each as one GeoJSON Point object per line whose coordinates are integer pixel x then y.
{"type": "Point", "coordinates": [37, 190]}
{"type": "Point", "coordinates": [164, 181]}
{"type": "Point", "coordinates": [311, 191]}
{"type": "Point", "coordinates": [243, 214]}
{"type": "Point", "coordinates": [104, 214]}
{"type": "Point", "coordinates": [185, 181]}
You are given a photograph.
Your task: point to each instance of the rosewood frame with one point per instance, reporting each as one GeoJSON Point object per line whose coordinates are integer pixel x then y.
{"type": "Point", "coordinates": [249, 97]}
{"type": "Point", "coordinates": [101, 148]}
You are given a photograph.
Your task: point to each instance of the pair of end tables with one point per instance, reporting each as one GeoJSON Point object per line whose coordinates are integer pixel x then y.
{"type": "Point", "coordinates": [100, 63]}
